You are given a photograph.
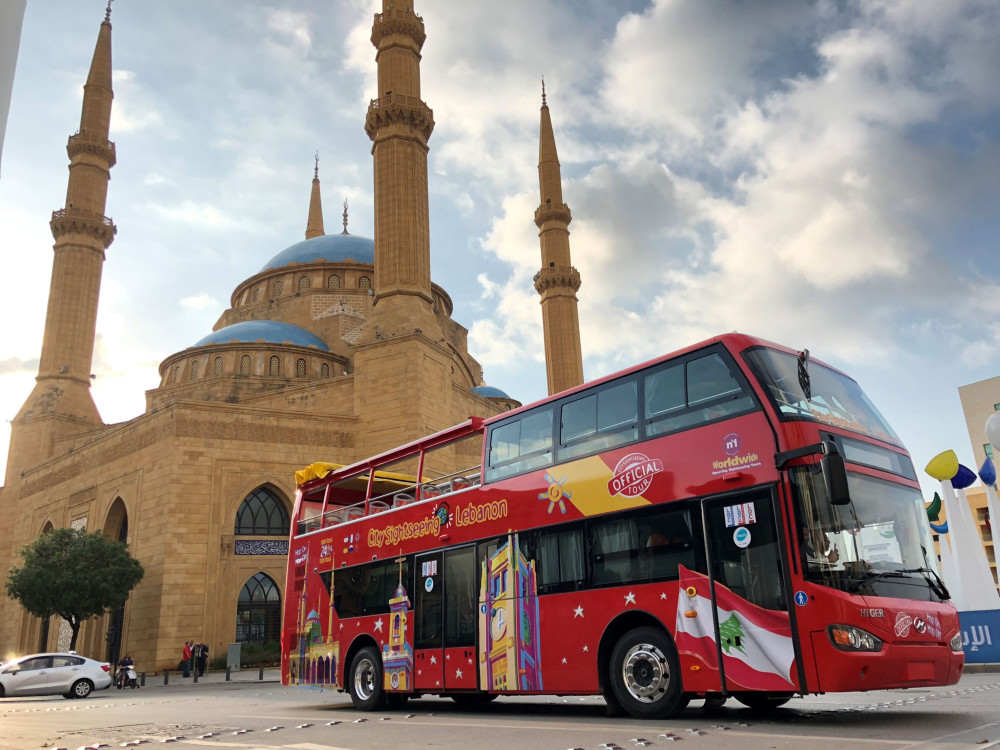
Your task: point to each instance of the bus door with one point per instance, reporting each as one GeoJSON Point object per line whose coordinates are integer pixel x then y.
{"type": "Point", "coordinates": [751, 621]}
{"type": "Point", "coordinates": [444, 642]}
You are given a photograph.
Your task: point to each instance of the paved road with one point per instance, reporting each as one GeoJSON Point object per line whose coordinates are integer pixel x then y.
{"type": "Point", "coordinates": [252, 715]}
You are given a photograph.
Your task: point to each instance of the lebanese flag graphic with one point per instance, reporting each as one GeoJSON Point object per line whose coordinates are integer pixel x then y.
{"type": "Point", "coordinates": [757, 650]}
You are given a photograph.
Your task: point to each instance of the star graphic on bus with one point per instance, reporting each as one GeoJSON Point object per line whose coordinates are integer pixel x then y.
{"type": "Point", "coordinates": [629, 598]}
{"type": "Point", "coordinates": [434, 660]}
{"type": "Point", "coordinates": [458, 673]}
{"type": "Point", "coordinates": [378, 624]}
{"type": "Point", "coordinates": [555, 494]}
{"type": "Point", "coordinates": [578, 612]}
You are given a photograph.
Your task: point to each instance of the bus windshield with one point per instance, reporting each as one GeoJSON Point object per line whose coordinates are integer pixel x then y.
{"type": "Point", "coordinates": [880, 544]}
{"type": "Point", "coordinates": [832, 399]}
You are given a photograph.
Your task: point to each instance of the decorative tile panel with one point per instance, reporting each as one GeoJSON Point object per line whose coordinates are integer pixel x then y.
{"type": "Point", "coordinates": [260, 547]}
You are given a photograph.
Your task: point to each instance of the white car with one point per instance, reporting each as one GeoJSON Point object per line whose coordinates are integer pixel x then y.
{"type": "Point", "coordinates": [68, 675]}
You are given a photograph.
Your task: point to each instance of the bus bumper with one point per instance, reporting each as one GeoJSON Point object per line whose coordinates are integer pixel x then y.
{"type": "Point", "coordinates": [895, 666]}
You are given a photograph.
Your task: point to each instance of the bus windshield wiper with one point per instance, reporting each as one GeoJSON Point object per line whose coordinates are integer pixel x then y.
{"type": "Point", "coordinates": [936, 584]}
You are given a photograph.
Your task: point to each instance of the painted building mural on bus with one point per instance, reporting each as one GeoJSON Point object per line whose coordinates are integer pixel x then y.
{"type": "Point", "coordinates": [397, 654]}
{"type": "Point", "coordinates": [510, 651]}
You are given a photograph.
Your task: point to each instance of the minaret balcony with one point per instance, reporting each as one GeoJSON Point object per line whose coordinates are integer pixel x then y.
{"type": "Point", "coordinates": [549, 212]}
{"type": "Point", "coordinates": [398, 108]}
{"type": "Point", "coordinates": [557, 277]}
{"type": "Point", "coordinates": [78, 221]}
{"type": "Point", "coordinates": [87, 143]}
{"type": "Point", "coordinates": [404, 22]}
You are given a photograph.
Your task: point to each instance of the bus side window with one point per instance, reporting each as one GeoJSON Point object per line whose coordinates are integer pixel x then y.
{"type": "Point", "coordinates": [613, 551]}
{"type": "Point", "coordinates": [558, 556]}
{"type": "Point", "coordinates": [520, 446]}
{"type": "Point", "coordinates": [691, 393]}
{"type": "Point", "coordinates": [598, 422]}
{"type": "Point", "coordinates": [668, 542]}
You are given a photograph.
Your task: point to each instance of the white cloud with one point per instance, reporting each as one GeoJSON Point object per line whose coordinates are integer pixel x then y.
{"type": "Point", "coordinates": [202, 301]}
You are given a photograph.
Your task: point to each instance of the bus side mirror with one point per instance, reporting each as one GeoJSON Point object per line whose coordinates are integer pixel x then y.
{"type": "Point", "coordinates": [834, 474]}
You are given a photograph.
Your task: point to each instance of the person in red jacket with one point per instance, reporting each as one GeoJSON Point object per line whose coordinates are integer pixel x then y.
{"type": "Point", "coordinates": [186, 658]}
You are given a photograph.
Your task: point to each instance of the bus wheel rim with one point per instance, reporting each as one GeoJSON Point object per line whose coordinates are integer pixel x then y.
{"type": "Point", "coordinates": [645, 672]}
{"type": "Point", "coordinates": [364, 679]}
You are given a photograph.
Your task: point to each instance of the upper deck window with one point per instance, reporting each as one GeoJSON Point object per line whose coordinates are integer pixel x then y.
{"type": "Point", "coordinates": [832, 399]}
{"type": "Point", "coordinates": [691, 392]}
{"type": "Point", "coordinates": [520, 445]}
{"type": "Point", "coordinates": [599, 421]}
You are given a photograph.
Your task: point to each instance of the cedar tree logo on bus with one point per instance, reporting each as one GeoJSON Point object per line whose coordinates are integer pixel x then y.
{"type": "Point", "coordinates": [633, 475]}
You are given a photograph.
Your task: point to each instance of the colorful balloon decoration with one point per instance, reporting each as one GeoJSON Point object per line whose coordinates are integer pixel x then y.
{"type": "Point", "coordinates": [934, 509]}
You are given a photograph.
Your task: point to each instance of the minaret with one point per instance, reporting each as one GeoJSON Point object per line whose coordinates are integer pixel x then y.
{"type": "Point", "coordinates": [61, 402]}
{"type": "Point", "coordinates": [400, 124]}
{"type": "Point", "coordinates": [314, 224]}
{"type": "Point", "coordinates": [558, 281]}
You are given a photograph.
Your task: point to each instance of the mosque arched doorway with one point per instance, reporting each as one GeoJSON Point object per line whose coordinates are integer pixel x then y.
{"type": "Point", "coordinates": [116, 527]}
{"type": "Point", "coordinates": [258, 611]}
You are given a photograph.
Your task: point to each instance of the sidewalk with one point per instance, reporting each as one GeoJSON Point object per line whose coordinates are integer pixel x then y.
{"type": "Point", "coordinates": [250, 674]}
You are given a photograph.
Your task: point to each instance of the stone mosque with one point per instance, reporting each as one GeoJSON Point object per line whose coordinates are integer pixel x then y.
{"type": "Point", "coordinates": [337, 348]}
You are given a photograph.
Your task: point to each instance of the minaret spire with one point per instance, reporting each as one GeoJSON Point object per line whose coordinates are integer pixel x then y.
{"type": "Point", "coordinates": [314, 224]}
{"type": "Point", "coordinates": [61, 401]}
{"type": "Point", "coordinates": [345, 217]}
{"type": "Point", "coordinates": [558, 281]}
{"type": "Point", "coordinates": [399, 124]}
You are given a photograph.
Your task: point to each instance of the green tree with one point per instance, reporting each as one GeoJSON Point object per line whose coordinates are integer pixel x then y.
{"type": "Point", "coordinates": [75, 575]}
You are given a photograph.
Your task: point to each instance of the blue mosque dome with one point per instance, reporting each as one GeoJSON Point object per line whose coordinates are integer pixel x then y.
{"type": "Point", "coordinates": [271, 331]}
{"type": "Point", "coordinates": [333, 248]}
{"type": "Point", "coordinates": [488, 391]}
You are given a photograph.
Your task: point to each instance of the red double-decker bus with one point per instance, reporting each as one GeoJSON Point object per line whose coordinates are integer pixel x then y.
{"type": "Point", "coordinates": [733, 519]}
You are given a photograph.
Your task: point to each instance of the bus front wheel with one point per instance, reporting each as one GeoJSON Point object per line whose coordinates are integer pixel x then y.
{"type": "Point", "coordinates": [366, 680]}
{"type": "Point", "coordinates": [645, 676]}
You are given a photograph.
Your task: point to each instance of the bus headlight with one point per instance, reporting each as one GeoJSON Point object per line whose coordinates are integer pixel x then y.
{"type": "Point", "coordinates": [850, 638]}
{"type": "Point", "coordinates": [956, 642]}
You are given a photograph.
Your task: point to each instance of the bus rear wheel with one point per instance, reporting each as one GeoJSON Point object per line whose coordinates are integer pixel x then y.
{"type": "Point", "coordinates": [644, 674]}
{"type": "Point", "coordinates": [366, 680]}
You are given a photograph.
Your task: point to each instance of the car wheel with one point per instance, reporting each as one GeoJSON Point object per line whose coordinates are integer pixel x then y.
{"type": "Point", "coordinates": [471, 700]}
{"type": "Point", "coordinates": [81, 688]}
{"type": "Point", "coordinates": [2, 694]}
{"type": "Point", "coordinates": [366, 680]}
{"type": "Point", "coordinates": [763, 703]}
{"type": "Point", "coordinates": [645, 676]}
{"type": "Point", "coordinates": [396, 701]}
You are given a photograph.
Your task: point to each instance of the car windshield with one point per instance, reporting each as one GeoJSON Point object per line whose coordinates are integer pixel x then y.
{"type": "Point", "coordinates": [802, 389]}
{"type": "Point", "coordinates": [879, 544]}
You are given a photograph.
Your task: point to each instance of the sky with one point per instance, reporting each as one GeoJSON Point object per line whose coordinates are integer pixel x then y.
{"type": "Point", "coordinates": [821, 174]}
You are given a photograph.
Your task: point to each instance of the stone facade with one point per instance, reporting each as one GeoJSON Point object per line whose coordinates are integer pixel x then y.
{"type": "Point", "coordinates": [379, 362]}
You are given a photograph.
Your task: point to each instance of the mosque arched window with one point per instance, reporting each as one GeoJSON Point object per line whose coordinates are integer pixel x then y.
{"type": "Point", "coordinates": [194, 369]}
{"type": "Point", "coordinates": [364, 283]}
{"type": "Point", "coordinates": [324, 370]}
{"type": "Point", "coordinates": [333, 282]}
{"type": "Point", "coordinates": [245, 364]}
{"type": "Point", "coordinates": [277, 289]}
{"type": "Point", "coordinates": [300, 368]}
{"type": "Point", "coordinates": [303, 283]}
{"type": "Point", "coordinates": [258, 611]}
{"type": "Point", "coordinates": [275, 367]}
{"type": "Point", "coordinates": [177, 373]}
{"type": "Point", "coordinates": [256, 293]}
{"type": "Point", "coordinates": [261, 513]}
{"type": "Point", "coordinates": [218, 366]}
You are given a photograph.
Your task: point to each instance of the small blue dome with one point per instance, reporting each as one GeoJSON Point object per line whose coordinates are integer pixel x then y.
{"type": "Point", "coordinates": [271, 331]}
{"type": "Point", "coordinates": [488, 391]}
{"type": "Point", "coordinates": [334, 248]}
